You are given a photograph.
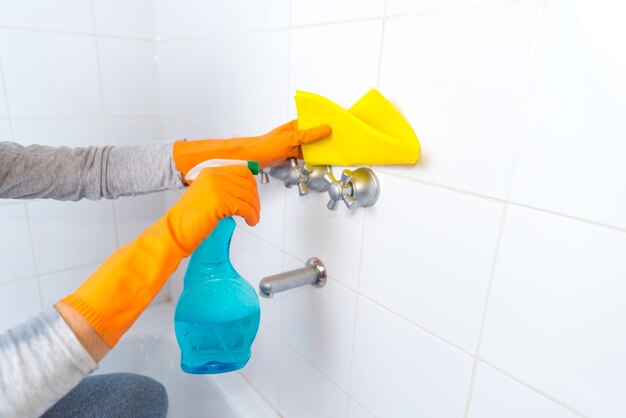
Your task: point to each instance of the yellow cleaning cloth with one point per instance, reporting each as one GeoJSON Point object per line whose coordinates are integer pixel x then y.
{"type": "Point", "coordinates": [372, 131]}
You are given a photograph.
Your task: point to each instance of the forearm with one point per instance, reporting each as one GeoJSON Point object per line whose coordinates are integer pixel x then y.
{"type": "Point", "coordinates": [107, 172]}
{"type": "Point", "coordinates": [40, 361]}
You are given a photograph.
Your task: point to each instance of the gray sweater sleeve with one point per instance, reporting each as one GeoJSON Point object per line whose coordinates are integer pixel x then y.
{"type": "Point", "coordinates": [63, 173]}
{"type": "Point", "coordinates": [40, 361]}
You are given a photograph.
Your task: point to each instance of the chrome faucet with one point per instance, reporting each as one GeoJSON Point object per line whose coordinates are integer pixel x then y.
{"type": "Point", "coordinates": [314, 273]}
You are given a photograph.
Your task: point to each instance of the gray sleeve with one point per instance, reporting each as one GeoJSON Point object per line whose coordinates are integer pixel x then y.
{"type": "Point", "coordinates": [36, 171]}
{"type": "Point", "coordinates": [41, 360]}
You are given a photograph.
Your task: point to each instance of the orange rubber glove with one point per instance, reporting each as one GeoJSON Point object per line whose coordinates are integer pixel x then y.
{"type": "Point", "coordinates": [114, 296]}
{"type": "Point", "coordinates": [269, 150]}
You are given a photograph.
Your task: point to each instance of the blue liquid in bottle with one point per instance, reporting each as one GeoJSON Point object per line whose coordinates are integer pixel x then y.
{"type": "Point", "coordinates": [217, 315]}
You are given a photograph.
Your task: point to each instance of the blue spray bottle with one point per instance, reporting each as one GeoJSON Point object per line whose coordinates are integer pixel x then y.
{"type": "Point", "coordinates": [217, 316]}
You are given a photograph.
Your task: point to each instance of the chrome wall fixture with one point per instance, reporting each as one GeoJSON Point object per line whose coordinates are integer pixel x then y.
{"type": "Point", "coordinates": [314, 273]}
{"type": "Point", "coordinates": [355, 188]}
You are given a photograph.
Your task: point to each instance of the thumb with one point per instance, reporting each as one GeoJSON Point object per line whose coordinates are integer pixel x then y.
{"type": "Point", "coordinates": [310, 135]}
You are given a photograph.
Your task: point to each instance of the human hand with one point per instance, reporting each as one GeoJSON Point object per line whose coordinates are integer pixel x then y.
{"type": "Point", "coordinates": [270, 149]}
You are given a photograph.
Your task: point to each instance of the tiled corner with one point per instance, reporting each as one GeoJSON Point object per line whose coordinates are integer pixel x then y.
{"type": "Point", "coordinates": [57, 78]}
{"type": "Point", "coordinates": [399, 371]}
{"type": "Point", "coordinates": [468, 143]}
{"type": "Point", "coordinates": [69, 234]}
{"type": "Point", "coordinates": [305, 392]}
{"type": "Point", "coordinates": [305, 12]}
{"type": "Point", "coordinates": [428, 255]}
{"type": "Point", "coordinates": [259, 97]}
{"type": "Point", "coordinates": [570, 159]}
{"type": "Point", "coordinates": [209, 79]}
{"type": "Point", "coordinates": [255, 259]}
{"type": "Point", "coordinates": [496, 396]}
{"type": "Point", "coordinates": [133, 19]}
{"type": "Point", "coordinates": [319, 324]}
{"type": "Point", "coordinates": [60, 132]}
{"type": "Point", "coordinates": [320, 62]}
{"type": "Point", "coordinates": [123, 131]}
{"type": "Point", "coordinates": [18, 301]}
{"type": "Point", "coordinates": [558, 290]}
{"type": "Point", "coordinates": [133, 214]}
{"type": "Point", "coordinates": [16, 253]}
{"type": "Point", "coordinates": [255, 15]}
{"type": "Point", "coordinates": [263, 368]}
{"type": "Point", "coordinates": [129, 77]}
{"type": "Point", "coordinates": [61, 15]}
{"type": "Point", "coordinates": [311, 230]}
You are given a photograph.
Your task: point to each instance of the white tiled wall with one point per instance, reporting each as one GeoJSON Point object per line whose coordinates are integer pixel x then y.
{"type": "Point", "coordinates": [487, 281]}
{"type": "Point", "coordinates": [74, 73]}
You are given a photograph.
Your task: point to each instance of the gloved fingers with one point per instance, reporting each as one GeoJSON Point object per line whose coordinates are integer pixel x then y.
{"type": "Point", "coordinates": [242, 192]}
{"type": "Point", "coordinates": [238, 174]}
{"type": "Point", "coordinates": [306, 136]}
{"type": "Point", "coordinates": [242, 207]}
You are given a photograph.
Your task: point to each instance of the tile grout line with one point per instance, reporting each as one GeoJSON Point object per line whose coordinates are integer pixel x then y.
{"type": "Point", "coordinates": [481, 332]}
{"type": "Point", "coordinates": [104, 114]}
{"type": "Point", "coordinates": [531, 388]}
{"type": "Point", "coordinates": [503, 201]}
{"type": "Point", "coordinates": [34, 254]}
{"type": "Point", "coordinates": [70, 33]}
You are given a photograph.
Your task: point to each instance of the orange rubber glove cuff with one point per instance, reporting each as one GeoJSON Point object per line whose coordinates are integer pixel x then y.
{"type": "Point", "coordinates": [114, 296]}
{"type": "Point", "coordinates": [269, 150]}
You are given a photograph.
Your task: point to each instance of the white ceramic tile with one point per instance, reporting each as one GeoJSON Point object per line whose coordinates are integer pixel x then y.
{"type": "Point", "coordinates": [171, 130]}
{"type": "Point", "coordinates": [170, 19]}
{"type": "Point", "coordinates": [5, 130]}
{"type": "Point", "coordinates": [259, 73]}
{"type": "Point", "coordinates": [262, 371]}
{"type": "Point", "coordinates": [246, 15]}
{"type": "Point", "coordinates": [339, 61]}
{"type": "Point", "coordinates": [59, 132]}
{"type": "Point", "coordinates": [18, 301]}
{"type": "Point", "coordinates": [133, 131]}
{"type": "Point", "coordinates": [305, 392]}
{"type": "Point", "coordinates": [465, 104]}
{"type": "Point", "coordinates": [129, 77]}
{"type": "Point", "coordinates": [133, 214]}
{"type": "Point", "coordinates": [357, 411]}
{"type": "Point", "coordinates": [311, 230]}
{"type": "Point", "coordinates": [272, 224]}
{"type": "Point", "coordinates": [61, 15]}
{"type": "Point", "coordinates": [411, 6]}
{"type": "Point", "coordinates": [56, 286]}
{"type": "Point", "coordinates": [50, 75]}
{"type": "Point", "coordinates": [209, 81]}
{"type": "Point", "coordinates": [4, 100]}
{"type": "Point", "coordinates": [400, 371]}
{"type": "Point", "coordinates": [436, 266]}
{"type": "Point", "coordinates": [173, 64]}
{"type": "Point", "coordinates": [205, 18]}
{"type": "Point", "coordinates": [305, 12]}
{"type": "Point", "coordinates": [556, 299]}
{"type": "Point", "coordinates": [497, 396]}
{"type": "Point", "coordinates": [319, 325]}
{"type": "Point", "coordinates": [574, 136]}
{"type": "Point", "coordinates": [133, 19]}
{"type": "Point", "coordinates": [16, 253]}
{"type": "Point", "coordinates": [254, 260]}
{"type": "Point", "coordinates": [68, 234]}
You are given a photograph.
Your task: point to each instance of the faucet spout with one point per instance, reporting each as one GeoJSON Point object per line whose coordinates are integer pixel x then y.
{"type": "Point", "coordinates": [314, 273]}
